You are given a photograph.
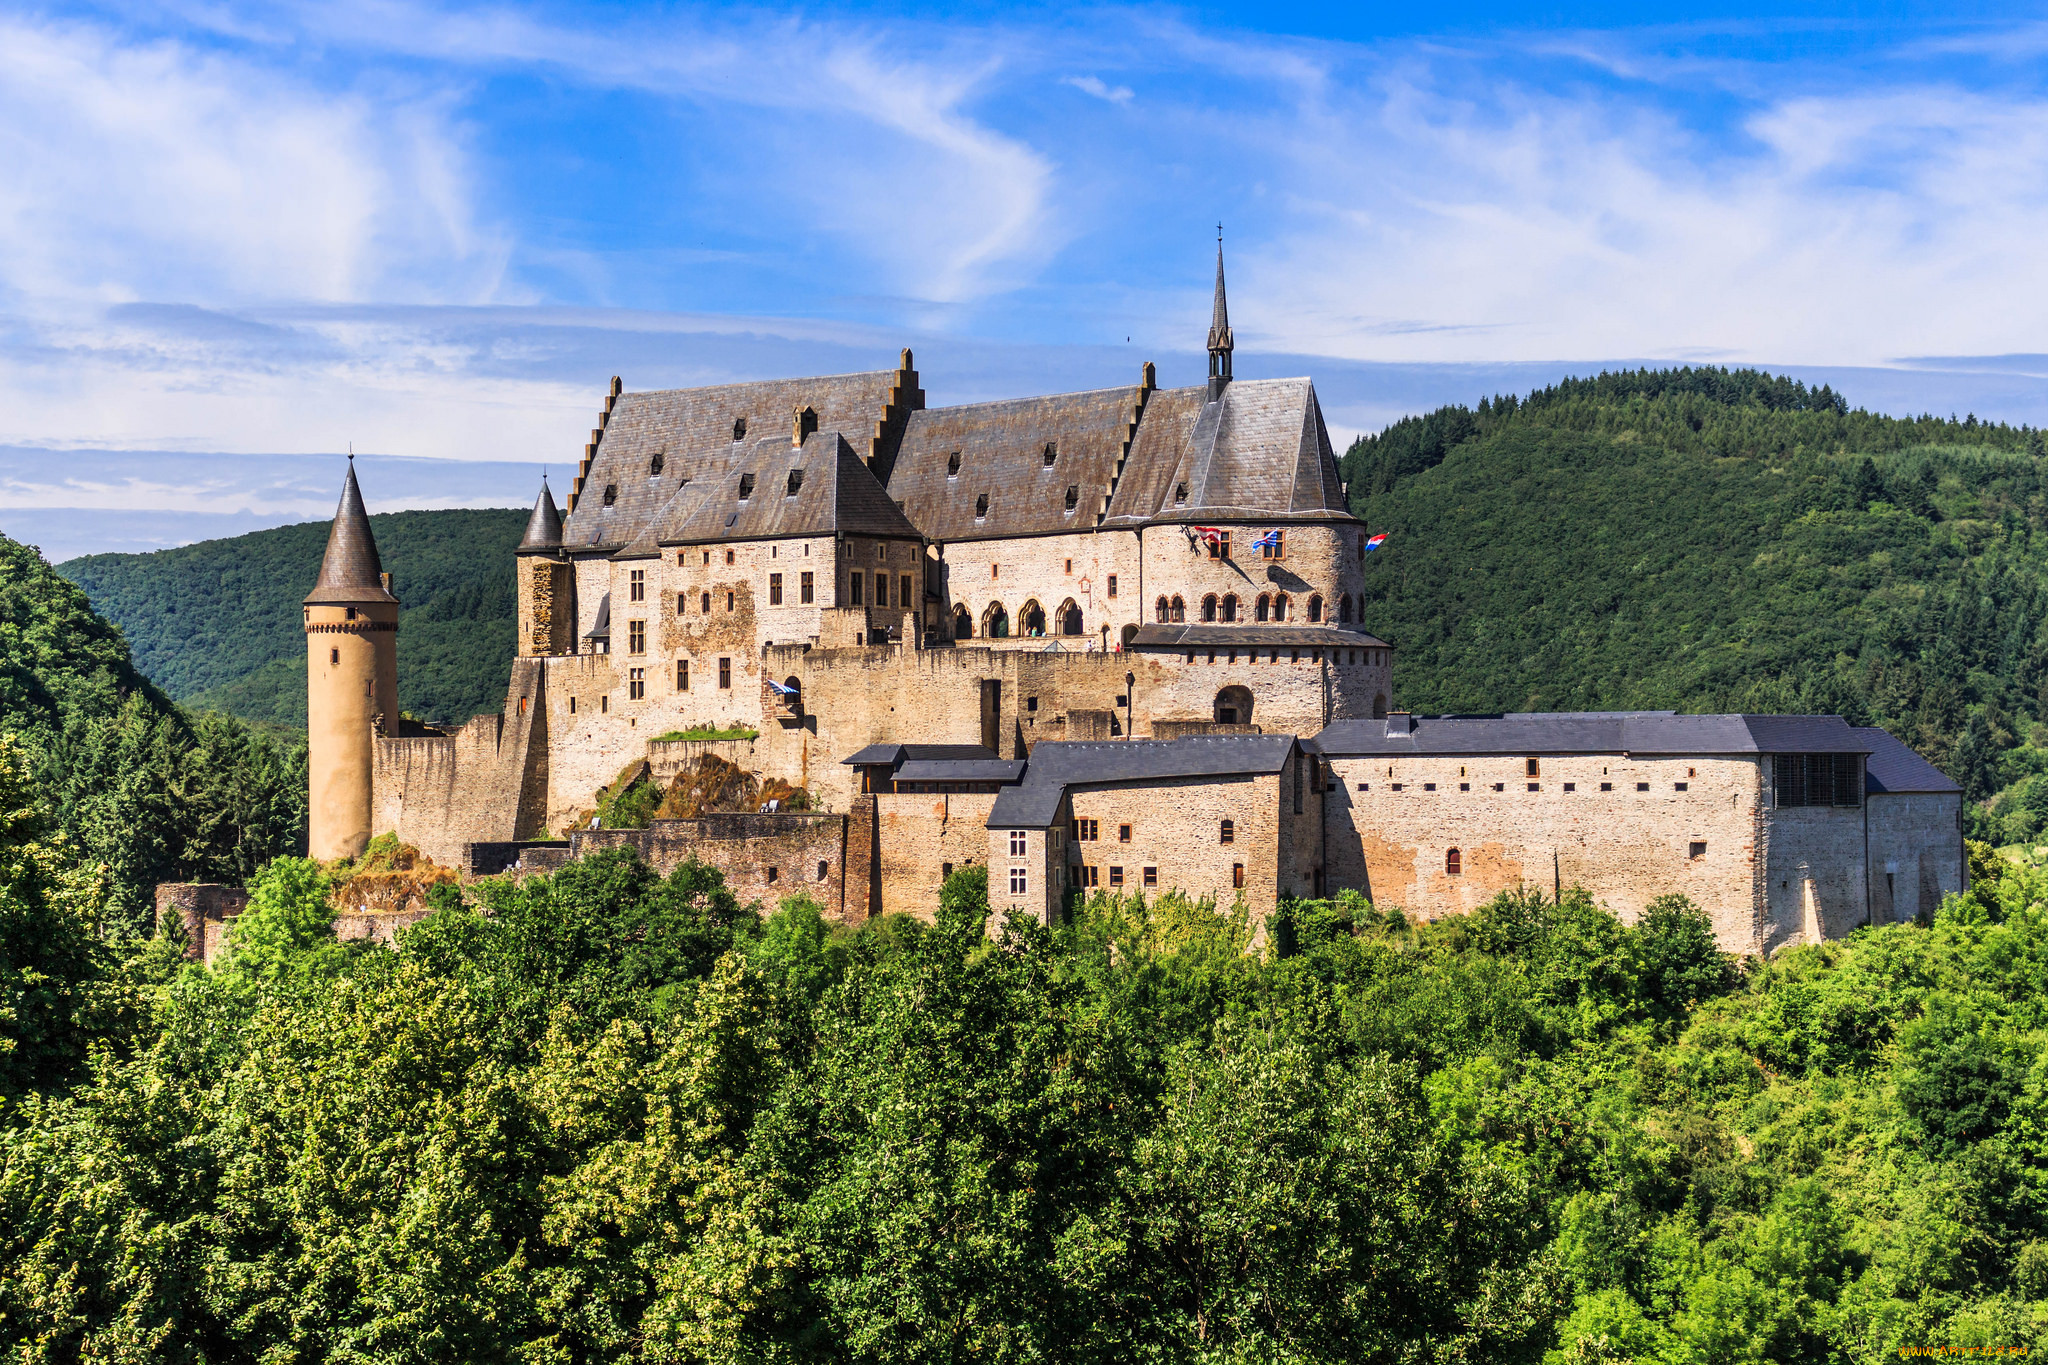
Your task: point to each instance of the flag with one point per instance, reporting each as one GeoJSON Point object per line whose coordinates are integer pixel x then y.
{"type": "Point", "coordinates": [785, 691]}
{"type": "Point", "coordinates": [1376, 542]}
{"type": "Point", "coordinates": [1270, 540]}
{"type": "Point", "coordinates": [1210, 533]}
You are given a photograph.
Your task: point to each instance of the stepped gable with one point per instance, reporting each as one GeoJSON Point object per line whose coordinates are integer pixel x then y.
{"type": "Point", "coordinates": [836, 491]}
{"type": "Point", "coordinates": [692, 431]}
{"type": "Point", "coordinates": [1261, 450]}
{"type": "Point", "coordinates": [1002, 454]}
{"type": "Point", "coordinates": [350, 570]}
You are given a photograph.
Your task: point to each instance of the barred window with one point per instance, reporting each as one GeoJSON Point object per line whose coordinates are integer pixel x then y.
{"type": "Point", "coordinates": [1819, 779]}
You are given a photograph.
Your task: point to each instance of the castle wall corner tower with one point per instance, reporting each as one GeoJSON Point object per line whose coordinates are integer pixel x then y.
{"type": "Point", "coordinates": [351, 680]}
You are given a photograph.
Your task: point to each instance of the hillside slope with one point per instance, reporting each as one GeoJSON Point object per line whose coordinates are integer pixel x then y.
{"type": "Point", "coordinates": [1701, 540]}
{"type": "Point", "coordinates": [217, 625]}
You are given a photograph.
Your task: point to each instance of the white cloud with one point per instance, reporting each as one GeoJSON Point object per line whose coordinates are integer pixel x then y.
{"type": "Point", "coordinates": [1093, 85]}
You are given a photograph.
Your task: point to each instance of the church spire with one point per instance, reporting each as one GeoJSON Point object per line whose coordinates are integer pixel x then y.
{"type": "Point", "coordinates": [350, 570]}
{"type": "Point", "coordinates": [1221, 343]}
{"type": "Point", "coordinates": [544, 527]}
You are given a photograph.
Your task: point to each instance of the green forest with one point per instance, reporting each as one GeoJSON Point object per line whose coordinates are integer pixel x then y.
{"type": "Point", "coordinates": [1711, 540]}
{"type": "Point", "coordinates": [217, 625]}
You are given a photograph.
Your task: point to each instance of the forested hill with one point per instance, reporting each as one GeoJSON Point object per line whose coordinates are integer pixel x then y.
{"type": "Point", "coordinates": [1712, 540]}
{"type": "Point", "coordinates": [217, 625]}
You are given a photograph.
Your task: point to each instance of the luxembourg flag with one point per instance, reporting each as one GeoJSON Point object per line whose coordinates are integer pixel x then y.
{"type": "Point", "coordinates": [1376, 542]}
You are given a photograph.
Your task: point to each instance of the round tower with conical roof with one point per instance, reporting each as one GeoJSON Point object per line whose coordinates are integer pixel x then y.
{"type": "Point", "coordinates": [351, 680]}
{"type": "Point", "coordinates": [547, 609]}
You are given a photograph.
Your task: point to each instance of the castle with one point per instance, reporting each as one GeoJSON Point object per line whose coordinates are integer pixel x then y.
{"type": "Point", "coordinates": [1092, 640]}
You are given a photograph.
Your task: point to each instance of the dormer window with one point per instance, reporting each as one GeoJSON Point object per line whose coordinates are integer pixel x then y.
{"type": "Point", "coordinates": [746, 487]}
{"type": "Point", "coordinates": [796, 482]}
{"type": "Point", "coordinates": [953, 465]}
{"type": "Point", "coordinates": [981, 507]}
{"type": "Point", "coordinates": [1180, 495]}
{"type": "Point", "coordinates": [1073, 496]}
{"type": "Point", "coordinates": [654, 465]}
{"type": "Point", "coordinates": [739, 428]}
{"type": "Point", "coordinates": [1052, 452]}
{"type": "Point", "coordinates": [611, 494]}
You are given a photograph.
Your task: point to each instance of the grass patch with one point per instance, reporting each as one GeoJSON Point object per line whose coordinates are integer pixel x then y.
{"type": "Point", "coordinates": [706, 732]}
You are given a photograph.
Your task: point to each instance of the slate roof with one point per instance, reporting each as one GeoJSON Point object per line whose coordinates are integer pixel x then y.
{"type": "Point", "coordinates": [1261, 451]}
{"type": "Point", "coordinates": [544, 527]}
{"type": "Point", "coordinates": [350, 570]}
{"type": "Point", "coordinates": [1208, 635]}
{"type": "Point", "coordinates": [1056, 765]}
{"type": "Point", "coordinates": [922, 753]}
{"type": "Point", "coordinates": [957, 770]}
{"type": "Point", "coordinates": [1894, 768]}
{"type": "Point", "coordinates": [836, 491]}
{"type": "Point", "coordinates": [1002, 454]}
{"type": "Point", "coordinates": [691, 429]}
{"type": "Point", "coordinates": [1598, 732]}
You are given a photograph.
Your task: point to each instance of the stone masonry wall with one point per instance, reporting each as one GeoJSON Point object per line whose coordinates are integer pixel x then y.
{"type": "Point", "coordinates": [919, 836]}
{"type": "Point", "coordinates": [764, 857]}
{"type": "Point", "coordinates": [206, 909]}
{"type": "Point", "coordinates": [1175, 827]}
{"type": "Point", "coordinates": [1916, 854]}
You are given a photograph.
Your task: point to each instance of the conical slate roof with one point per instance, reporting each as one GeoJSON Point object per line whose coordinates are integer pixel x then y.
{"type": "Point", "coordinates": [544, 527]}
{"type": "Point", "coordinates": [350, 571]}
{"type": "Point", "coordinates": [1219, 315]}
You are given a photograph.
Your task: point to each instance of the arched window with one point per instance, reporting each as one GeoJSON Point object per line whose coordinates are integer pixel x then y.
{"type": "Point", "coordinates": [1454, 862]}
{"type": "Point", "coordinates": [1315, 609]}
{"type": "Point", "coordinates": [1234, 706]}
{"type": "Point", "coordinates": [1164, 612]}
{"type": "Point", "coordinates": [1228, 834]}
{"type": "Point", "coordinates": [1209, 607]}
{"type": "Point", "coordinates": [1230, 607]}
{"type": "Point", "coordinates": [1344, 609]}
{"type": "Point", "coordinates": [995, 622]}
{"type": "Point", "coordinates": [1280, 606]}
{"type": "Point", "coordinates": [1070, 617]}
{"type": "Point", "coordinates": [1031, 620]}
{"type": "Point", "coordinates": [963, 623]}
{"type": "Point", "coordinates": [793, 699]}
{"type": "Point", "coordinates": [1265, 607]}
{"type": "Point", "coordinates": [1180, 610]}
{"type": "Point", "coordinates": [1379, 707]}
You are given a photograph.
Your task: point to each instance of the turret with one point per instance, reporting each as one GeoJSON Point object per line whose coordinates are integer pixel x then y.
{"type": "Point", "coordinates": [1221, 343]}
{"type": "Point", "coordinates": [351, 679]}
{"type": "Point", "coordinates": [547, 585]}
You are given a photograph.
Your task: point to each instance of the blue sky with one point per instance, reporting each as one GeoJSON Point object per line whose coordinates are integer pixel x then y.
{"type": "Point", "coordinates": [235, 238]}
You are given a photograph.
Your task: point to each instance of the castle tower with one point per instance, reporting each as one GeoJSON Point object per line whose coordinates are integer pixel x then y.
{"type": "Point", "coordinates": [547, 583]}
{"type": "Point", "coordinates": [1221, 343]}
{"type": "Point", "coordinates": [351, 679]}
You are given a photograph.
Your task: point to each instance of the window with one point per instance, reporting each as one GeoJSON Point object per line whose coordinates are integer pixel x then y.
{"type": "Point", "coordinates": [1219, 548]}
{"type": "Point", "coordinates": [953, 465]}
{"type": "Point", "coordinates": [1031, 703]}
{"type": "Point", "coordinates": [572, 706]}
{"type": "Point", "coordinates": [853, 588]}
{"type": "Point", "coordinates": [682, 675]}
{"type": "Point", "coordinates": [903, 594]}
{"type": "Point", "coordinates": [1151, 876]}
{"type": "Point", "coordinates": [1180, 495]}
{"type": "Point", "coordinates": [1535, 768]}
{"type": "Point", "coordinates": [1535, 786]}
{"type": "Point", "coordinates": [1178, 610]}
{"type": "Point", "coordinates": [1123, 834]}
{"type": "Point", "coordinates": [704, 603]}
{"type": "Point", "coordinates": [1086, 831]}
{"type": "Point", "coordinates": [1273, 545]}
{"type": "Point", "coordinates": [1052, 453]}
{"type": "Point", "coordinates": [728, 556]}
{"type": "Point", "coordinates": [1315, 609]}
{"type": "Point", "coordinates": [611, 494]}
{"type": "Point", "coordinates": [725, 673]}
{"type": "Point", "coordinates": [746, 487]}
{"type": "Point", "coordinates": [1607, 786]}
{"type": "Point", "coordinates": [334, 656]}
{"type": "Point", "coordinates": [1209, 607]}
{"type": "Point", "coordinates": [350, 614]}
{"type": "Point", "coordinates": [728, 599]}
{"type": "Point", "coordinates": [1116, 876]}
{"type": "Point", "coordinates": [1500, 786]}
{"type": "Point", "coordinates": [805, 591]}
{"type": "Point", "coordinates": [1229, 607]}
{"type": "Point", "coordinates": [1464, 786]}
{"type": "Point", "coordinates": [775, 590]}
{"type": "Point", "coordinates": [994, 569]}
{"type": "Point", "coordinates": [1264, 608]}
{"type": "Point", "coordinates": [1086, 875]}
{"type": "Point", "coordinates": [1073, 500]}
{"type": "Point", "coordinates": [636, 683]}
{"type": "Point", "coordinates": [636, 637]}
{"type": "Point", "coordinates": [1016, 843]}
{"type": "Point", "coordinates": [604, 704]}
{"type": "Point", "coordinates": [636, 585]}
{"type": "Point", "coordinates": [882, 553]}
{"type": "Point", "coordinates": [1696, 850]}
{"type": "Point", "coordinates": [1642, 786]}
{"type": "Point", "coordinates": [1818, 779]}
{"type": "Point", "coordinates": [1280, 610]}
{"type": "Point", "coordinates": [881, 590]}
{"type": "Point", "coordinates": [945, 871]}
{"type": "Point", "coordinates": [1454, 863]}
{"type": "Point", "coordinates": [1398, 786]}
{"type": "Point", "coordinates": [1162, 611]}
{"type": "Point", "coordinates": [1429, 786]}
{"type": "Point", "coordinates": [1237, 875]}
{"type": "Point", "coordinates": [1229, 832]}
{"type": "Point", "coordinates": [1678, 786]}
{"type": "Point", "coordinates": [739, 428]}
{"type": "Point", "coordinates": [824, 869]}
{"type": "Point", "coordinates": [1344, 615]}
{"type": "Point", "coordinates": [1019, 881]}
{"type": "Point", "coordinates": [1571, 786]}
{"type": "Point", "coordinates": [981, 508]}
{"type": "Point", "coordinates": [796, 483]}
{"type": "Point", "coordinates": [1112, 585]}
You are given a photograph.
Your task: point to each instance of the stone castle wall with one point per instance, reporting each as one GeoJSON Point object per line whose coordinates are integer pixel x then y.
{"type": "Point", "coordinates": [764, 857]}
{"type": "Point", "coordinates": [1916, 854]}
{"type": "Point", "coordinates": [920, 837]}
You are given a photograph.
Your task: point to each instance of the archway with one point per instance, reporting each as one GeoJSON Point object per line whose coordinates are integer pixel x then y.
{"type": "Point", "coordinates": [1280, 606]}
{"type": "Point", "coordinates": [1315, 609]}
{"type": "Point", "coordinates": [1209, 607]}
{"type": "Point", "coordinates": [1031, 619]}
{"type": "Point", "coordinates": [1234, 706]}
{"type": "Point", "coordinates": [1069, 617]}
{"type": "Point", "coordinates": [1265, 607]}
{"type": "Point", "coordinates": [1130, 636]}
{"type": "Point", "coordinates": [963, 623]}
{"type": "Point", "coordinates": [792, 697]}
{"type": "Point", "coordinates": [995, 622]}
{"type": "Point", "coordinates": [1161, 612]}
{"type": "Point", "coordinates": [1179, 610]}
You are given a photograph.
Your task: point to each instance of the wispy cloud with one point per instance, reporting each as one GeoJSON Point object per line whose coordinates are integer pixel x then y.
{"type": "Point", "coordinates": [1093, 85]}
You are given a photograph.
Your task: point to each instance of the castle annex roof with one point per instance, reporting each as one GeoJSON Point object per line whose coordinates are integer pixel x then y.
{"type": "Point", "coordinates": [1260, 451]}
{"type": "Point", "coordinates": [770, 488]}
{"type": "Point", "coordinates": [544, 527]}
{"type": "Point", "coordinates": [350, 570]}
{"type": "Point", "coordinates": [1591, 732]}
{"type": "Point", "coordinates": [1057, 765]}
{"type": "Point", "coordinates": [1894, 769]}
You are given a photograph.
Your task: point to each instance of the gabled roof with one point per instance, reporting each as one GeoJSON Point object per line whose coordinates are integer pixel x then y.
{"type": "Point", "coordinates": [1591, 732]}
{"type": "Point", "coordinates": [1894, 769]}
{"type": "Point", "coordinates": [835, 491]}
{"type": "Point", "coordinates": [1002, 455]}
{"type": "Point", "coordinates": [1056, 766]}
{"type": "Point", "coordinates": [692, 431]}
{"type": "Point", "coordinates": [350, 570]}
{"type": "Point", "coordinates": [1260, 451]}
